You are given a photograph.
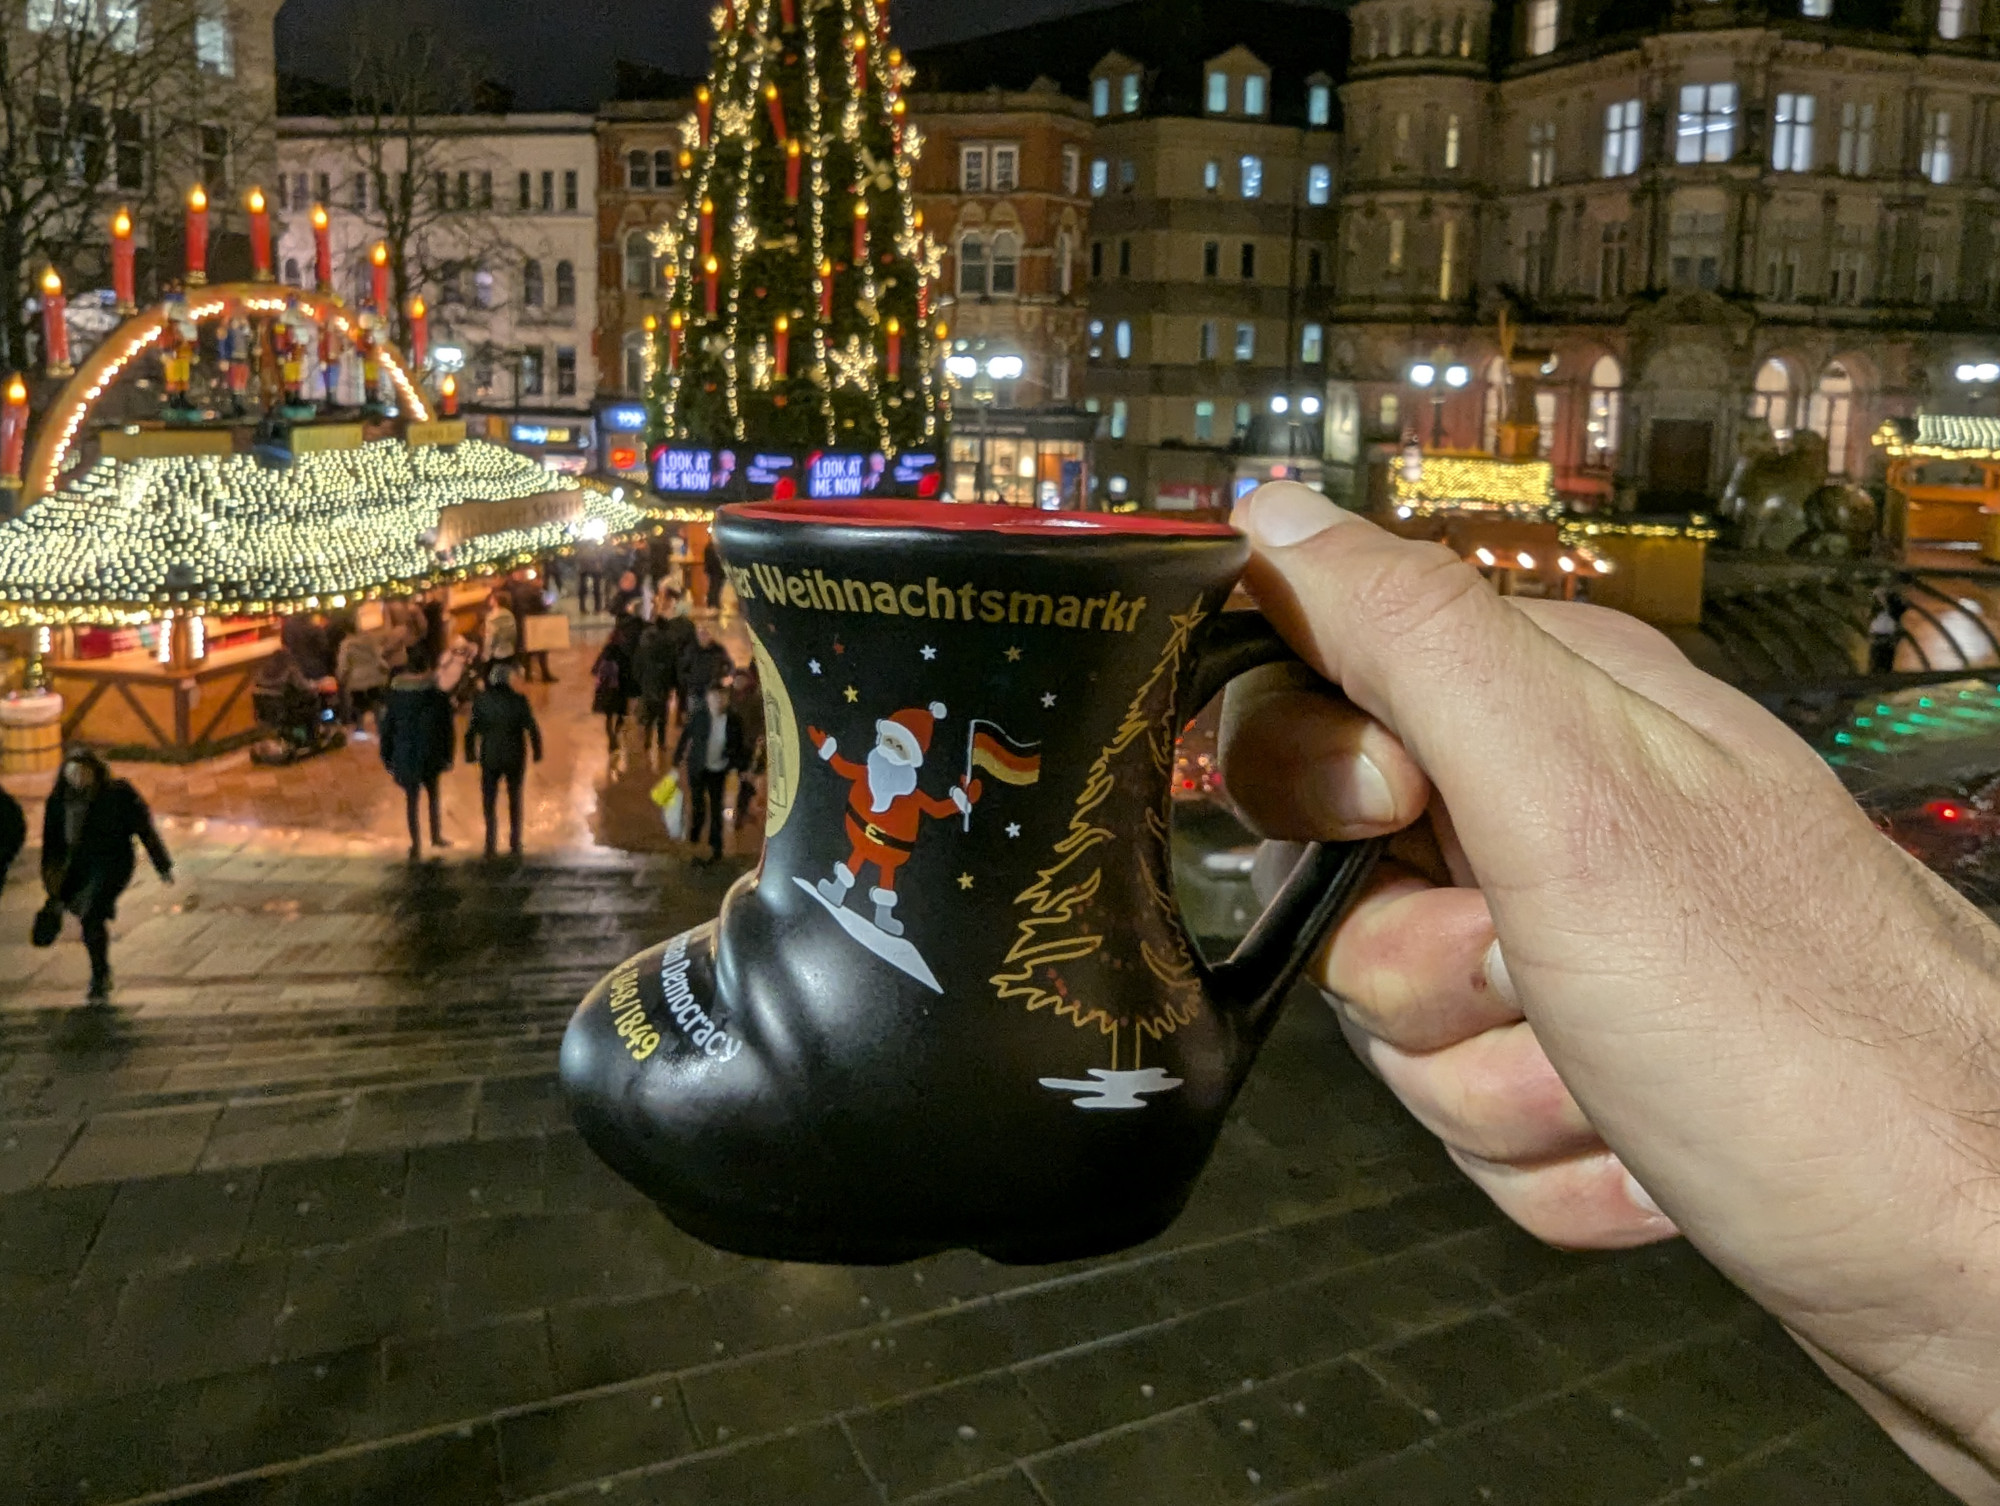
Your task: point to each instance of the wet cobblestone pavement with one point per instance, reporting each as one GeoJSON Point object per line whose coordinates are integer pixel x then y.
{"type": "Point", "coordinates": [300, 1221]}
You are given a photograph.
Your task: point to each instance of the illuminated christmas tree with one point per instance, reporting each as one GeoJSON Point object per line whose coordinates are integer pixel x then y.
{"type": "Point", "coordinates": [800, 314]}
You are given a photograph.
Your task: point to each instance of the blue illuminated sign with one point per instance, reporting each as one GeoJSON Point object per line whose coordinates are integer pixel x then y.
{"type": "Point", "coordinates": [624, 418]}
{"type": "Point", "coordinates": [835, 473]}
{"type": "Point", "coordinates": [766, 469]}
{"type": "Point", "coordinates": [693, 473]}
{"type": "Point", "coordinates": [531, 434]}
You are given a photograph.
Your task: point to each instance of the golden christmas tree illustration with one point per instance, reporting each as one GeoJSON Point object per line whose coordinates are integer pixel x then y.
{"type": "Point", "coordinates": [800, 314]}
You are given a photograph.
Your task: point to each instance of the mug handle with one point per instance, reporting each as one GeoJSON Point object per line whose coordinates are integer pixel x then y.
{"type": "Point", "coordinates": [1328, 877]}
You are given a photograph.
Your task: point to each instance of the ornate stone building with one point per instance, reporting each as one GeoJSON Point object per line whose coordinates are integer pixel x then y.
{"type": "Point", "coordinates": [639, 150]}
{"type": "Point", "coordinates": [1705, 217]}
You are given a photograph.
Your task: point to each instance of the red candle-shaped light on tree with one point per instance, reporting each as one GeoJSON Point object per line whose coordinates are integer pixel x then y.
{"type": "Point", "coordinates": [895, 328]}
{"type": "Point", "coordinates": [124, 285]}
{"type": "Point", "coordinates": [703, 105]}
{"type": "Point", "coordinates": [774, 106]}
{"type": "Point", "coordinates": [13, 429]}
{"type": "Point", "coordinates": [923, 299]}
{"type": "Point", "coordinates": [792, 160]}
{"type": "Point", "coordinates": [707, 227]}
{"type": "Point", "coordinates": [860, 232]}
{"type": "Point", "coordinates": [260, 235]}
{"type": "Point", "coordinates": [789, 10]}
{"type": "Point", "coordinates": [781, 347]}
{"type": "Point", "coordinates": [711, 274]}
{"type": "Point", "coordinates": [448, 396]}
{"type": "Point", "coordinates": [55, 325]}
{"type": "Point", "coordinates": [378, 261]}
{"type": "Point", "coordinates": [420, 330]}
{"type": "Point", "coordinates": [674, 326]}
{"type": "Point", "coordinates": [322, 249]}
{"type": "Point", "coordinates": [197, 236]}
{"type": "Point", "coordinates": [860, 63]}
{"type": "Point", "coordinates": [825, 291]}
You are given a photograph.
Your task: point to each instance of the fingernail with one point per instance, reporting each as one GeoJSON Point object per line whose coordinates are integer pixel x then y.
{"type": "Point", "coordinates": [1286, 513]}
{"type": "Point", "coordinates": [1365, 798]}
{"type": "Point", "coordinates": [1642, 1199]}
{"type": "Point", "coordinates": [1497, 977]}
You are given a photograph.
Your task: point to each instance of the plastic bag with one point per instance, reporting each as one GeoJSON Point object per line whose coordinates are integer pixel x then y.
{"type": "Point", "coordinates": [668, 797]}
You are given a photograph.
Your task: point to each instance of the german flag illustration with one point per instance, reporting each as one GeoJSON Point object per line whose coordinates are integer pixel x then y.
{"type": "Point", "coordinates": [999, 755]}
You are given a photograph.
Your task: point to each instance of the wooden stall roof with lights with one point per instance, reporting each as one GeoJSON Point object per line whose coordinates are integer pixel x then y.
{"type": "Point", "coordinates": [1944, 480]}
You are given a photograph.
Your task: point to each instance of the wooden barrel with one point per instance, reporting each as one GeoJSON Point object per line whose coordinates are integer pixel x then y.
{"type": "Point", "coordinates": [31, 734]}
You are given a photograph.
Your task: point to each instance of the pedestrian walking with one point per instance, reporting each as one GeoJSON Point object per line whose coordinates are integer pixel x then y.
{"type": "Point", "coordinates": [590, 578]}
{"type": "Point", "coordinates": [711, 569]}
{"type": "Point", "coordinates": [746, 699]}
{"type": "Point", "coordinates": [626, 596]}
{"type": "Point", "coordinates": [711, 747]}
{"type": "Point", "coordinates": [363, 673]}
{"type": "Point", "coordinates": [416, 730]}
{"type": "Point", "coordinates": [534, 598]}
{"type": "Point", "coordinates": [704, 662]}
{"type": "Point", "coordinates": [656, 667]}
{"type": "Point", "coordinates": [13, 834]}
{"type": "Point", "coordinates": [89, 825]}
{"type": "Point", "coordinates": [501, 635]}
{"type": "Point", "coordinates": [611, 696]}
{"type": "Point", "coordinates": [502, 732]}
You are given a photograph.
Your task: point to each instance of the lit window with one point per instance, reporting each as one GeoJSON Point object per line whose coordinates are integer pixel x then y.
{"type": "Point", "coordinates": [1936, 161]}
{"type": "Point", "coordinates": [1792, 133]}
{"type": "Point", "coordinates": [1128, 94]}
{"type": "Point", "coordinates": [1100, 177]}
{"type": "Point", "coordinates": [1541, 154]}
{"type": "Point", "coordinates": [1211, 175]}
{"type": "Point", "coordinates": [1253, 94]}
{"type": "Point", "coordinates": [1251, 170]}
{"type": "Point", "coordinates": [972, 169]}
{"type": "Point", "coordinates": [1451, 143]}
{"type": "Point", "coordinates": [1006, 169]}
{"type": "Point", "coordinates": [1831, 414]}
{"type": "Point", "coordinates": [1448, 261]}
{"type": "Point", "coordinates": [1816, 10]}
{"type": "Point", "coordinates": [1121, 339]}
{"type": "Point", "coordinates": [1319, 184]}
{"type": "Point", "coordinates": [1242, 419]}
{"type": "Point", "coordinates": [1218, 94]}
{"type": "Point", "coordinates": [1312, 345]}
{"type": "Point", "coordinates": [1398, 230]}
{"type": "Point", "coordinates": [1204, 422]}
{"type": "Point", "coordinates": [1705, 129]}
{"type": "Point", "coordinates": [1100, 97]}
{"type": "Point", "coordinates": [1621, 138]}
{"type": "Point", "coordinates": [1389, 413]}
{"type": "Point", "coordinates": [1857, 138]}
{"type": "Point", "coordinates": [1246, 342]}
{"type": "Point", "coordinates": [214, 44]}
{"type": "Point", "coordinates": [1119, 414]}
{"type": "Point", "coordinates": [1542, 18]}
{"type": "Point", "coordinates": [1096, 347]}
{"type": "Point", "coordinates": [972, 267]}
{"type": "Point", "coordinates": [1319, 105]}
{"type": "Point", "coordinates": [531, 371]}
{"type": "Point", "coordinates": [1951, 19]}
{"type": "Point", "coordinates": [1600, 430]}
{"type": "Point", "coordinates": [1771, 397]}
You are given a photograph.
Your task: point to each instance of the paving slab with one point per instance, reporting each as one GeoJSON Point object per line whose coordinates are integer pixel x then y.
{"type": "Point", "coordinates": [140, 1143]}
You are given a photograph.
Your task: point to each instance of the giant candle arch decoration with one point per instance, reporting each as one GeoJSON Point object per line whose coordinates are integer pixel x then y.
{"type": "Point", "coordinates": [131, 339]}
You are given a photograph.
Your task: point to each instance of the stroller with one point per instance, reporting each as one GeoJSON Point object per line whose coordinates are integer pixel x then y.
{"type": "Point", "coordinates": [298, 721]}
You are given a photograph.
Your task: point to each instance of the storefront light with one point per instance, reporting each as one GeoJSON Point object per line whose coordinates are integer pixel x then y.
{"type": "Point", "coordinates": [1423, 374]}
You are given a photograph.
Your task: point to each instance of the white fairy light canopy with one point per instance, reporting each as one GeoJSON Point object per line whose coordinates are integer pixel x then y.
{"type": "Point", "coordinates": [129, 541]}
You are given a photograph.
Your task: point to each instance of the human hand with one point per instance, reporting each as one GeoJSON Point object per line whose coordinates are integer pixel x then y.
{"type": "Point", "coordinates": [1642, 926]}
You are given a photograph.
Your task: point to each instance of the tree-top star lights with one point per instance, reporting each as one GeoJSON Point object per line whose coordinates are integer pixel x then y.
{"type": "Point", "coordinates": [128, 541]}
{"type": "Point", "coordinates": [799, 207]}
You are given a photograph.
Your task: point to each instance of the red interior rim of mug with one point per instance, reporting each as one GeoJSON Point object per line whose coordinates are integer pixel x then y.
{"type": "Point", "coordinates": [886, 512]}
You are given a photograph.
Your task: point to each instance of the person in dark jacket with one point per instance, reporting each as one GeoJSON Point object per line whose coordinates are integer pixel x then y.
{"type": "Point", "coordinates": [613, 679]}
{"type": "Point", "coordinates": [704, 662]}
{"type": "Point", "coordinates": [502, 730]}
{"type": "Point", "coordinates": [711, 570]}
{"type": "Point", "coordinates": [656, 667]}
{"type": "Point", "coordinates": [528, 603]}
{"type": "Point", "coordinates": [13, 834]}
{"type": "Point", "coordinates": [88, 827]}
{"type": "Point", "coordinates": [416, 731]}
{"type": "Point", "coordinates": [712, 745]}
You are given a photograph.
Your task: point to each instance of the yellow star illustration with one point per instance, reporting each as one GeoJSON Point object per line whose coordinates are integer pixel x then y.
{"type": "Point", "coordinates": [1013, 655]}
{"type": "Point", "coordinates": [852, 695]}
{"type": "Point", "coordinates": [965, 881]}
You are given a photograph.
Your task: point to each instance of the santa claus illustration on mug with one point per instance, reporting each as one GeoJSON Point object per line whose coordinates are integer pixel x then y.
{"type": "Point", "coordinates": [885, 807]}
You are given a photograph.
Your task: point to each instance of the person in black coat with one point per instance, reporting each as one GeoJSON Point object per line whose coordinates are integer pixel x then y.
{"type": "Point", "coordinates": [13, 834]}
{"type": "Point", "coordinates": [712, 745]}
{"type": "Point", "coordinates": [416, 738]}
{"type": "Point", "coordinates": [656, 666]}
{"type": "Point", "coordinates": [613, 681]}
{"type": "Point", "coordinates": [498, 738]}
{"type": "Point", "coordinates": [704, 662]}
{"type": "Point", "coordinates": [711, 571]}
{"type": "Point", "coordinates": [88, 828]}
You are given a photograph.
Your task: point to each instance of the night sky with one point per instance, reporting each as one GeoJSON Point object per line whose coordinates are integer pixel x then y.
{"type": "Point", "coordinates": [558, 54]}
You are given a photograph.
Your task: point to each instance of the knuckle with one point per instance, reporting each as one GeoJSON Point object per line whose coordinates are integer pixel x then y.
{"type": "Point", "coordinates": [1412, 587]}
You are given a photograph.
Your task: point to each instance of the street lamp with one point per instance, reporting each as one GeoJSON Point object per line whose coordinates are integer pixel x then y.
{"type": "Point", "coordinates": [1439, 381]}
{"type": "Point", "coordinates": [966, 364]}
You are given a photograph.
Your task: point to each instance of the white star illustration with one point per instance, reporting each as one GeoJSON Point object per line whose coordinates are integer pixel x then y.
{"type": "Point", "coordinates": [1013, 828]}
{"type": "Point", "coordinates": [1048, 699]}
{"type": "Point", "coordinates": [929, 652]}
{"type": "Point", "coordinates": [813, 665]}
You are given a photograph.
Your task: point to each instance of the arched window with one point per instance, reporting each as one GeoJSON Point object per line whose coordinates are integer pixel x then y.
{"type": "Point", "coordinates": [291, 271]}
{"type": "Point", "coordinates": [565, 285]}
{"type": "Point", "coordinates": [1771, 398]}
{"type": "Point", "coordinates": [638, 262]}
{"type": "Point", "coordinates": [1065, 263]}
{"type": "Point", "coordinates": [1832, 414]}
{"type": "Point", "coordinates": [972, 267]}
{"type": "Point", "coordinates": [1006, 264]}
{"type": "Point", "coordinates": [638, 170]}
{"type": "Point", "coordinates": [1607, 401]}
{"type": "Point", "coordinates": [531, 284]}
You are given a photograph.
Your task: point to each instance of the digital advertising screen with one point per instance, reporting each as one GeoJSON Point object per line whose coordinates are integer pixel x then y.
{"type": "Point", "coordinates": [685, 472]}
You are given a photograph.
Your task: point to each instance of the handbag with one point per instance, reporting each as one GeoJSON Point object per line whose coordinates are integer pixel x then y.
{"type": "Point", "coordinates": [667, 795]}
{"type": "Point", "coordinates": [48, 924]}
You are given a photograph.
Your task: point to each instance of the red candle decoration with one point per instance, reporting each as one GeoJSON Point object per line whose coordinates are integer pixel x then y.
{"type": "Point", "coordinates": [923, 299]}
{"type": "Point", "coordinates": [448, 396]}
{"type": "Point", "coordinates": [124, 285]}
{"type": "Point", "coordinates": [674, 326]}
{"type": "Point", "coordinates": [792, 161]}
{"type": "Point", "coordinates": [781, 347]}
{"type": "Point", "coordinates": [322, 249]}
{"type": "Point", "coordinates": [13, 430]}
{"type": "Point", "coordinates": [895, 347]}
{"type": "Point", "coordinates": [789, 10]}
{"type": "Point", "coordinates": [420, 330]}
{"type": "Point", "coordinates": [197, 236]}
{"type": "Point", "coordinates": [702, 105]}
{"type": "Point", "coordinates": [860, 62]}
{"type": "Point", "coordinates": [860, 232]}
{"type": "Point", "coordinates": [378, 259]}
{"type": "Point", "coordinates": [774, 106]}
{"type": "Point", "coordinates": [55, 325]}
{"type": "Point", "coordinates": [707, 226]}
{"type": "Point", "coordinates": [711, 271]}
{"type": "Point", "coordinates": [825, 292]}
{"type": "Point", "coordinates": [260, 236]}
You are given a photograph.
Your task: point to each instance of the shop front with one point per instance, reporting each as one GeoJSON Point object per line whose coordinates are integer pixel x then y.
{"type": "Point", "coordinates": [1037, 457]}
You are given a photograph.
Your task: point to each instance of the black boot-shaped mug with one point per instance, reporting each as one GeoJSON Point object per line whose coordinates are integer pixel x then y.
{"type": "Point", "coordinates": [955, 1004]}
